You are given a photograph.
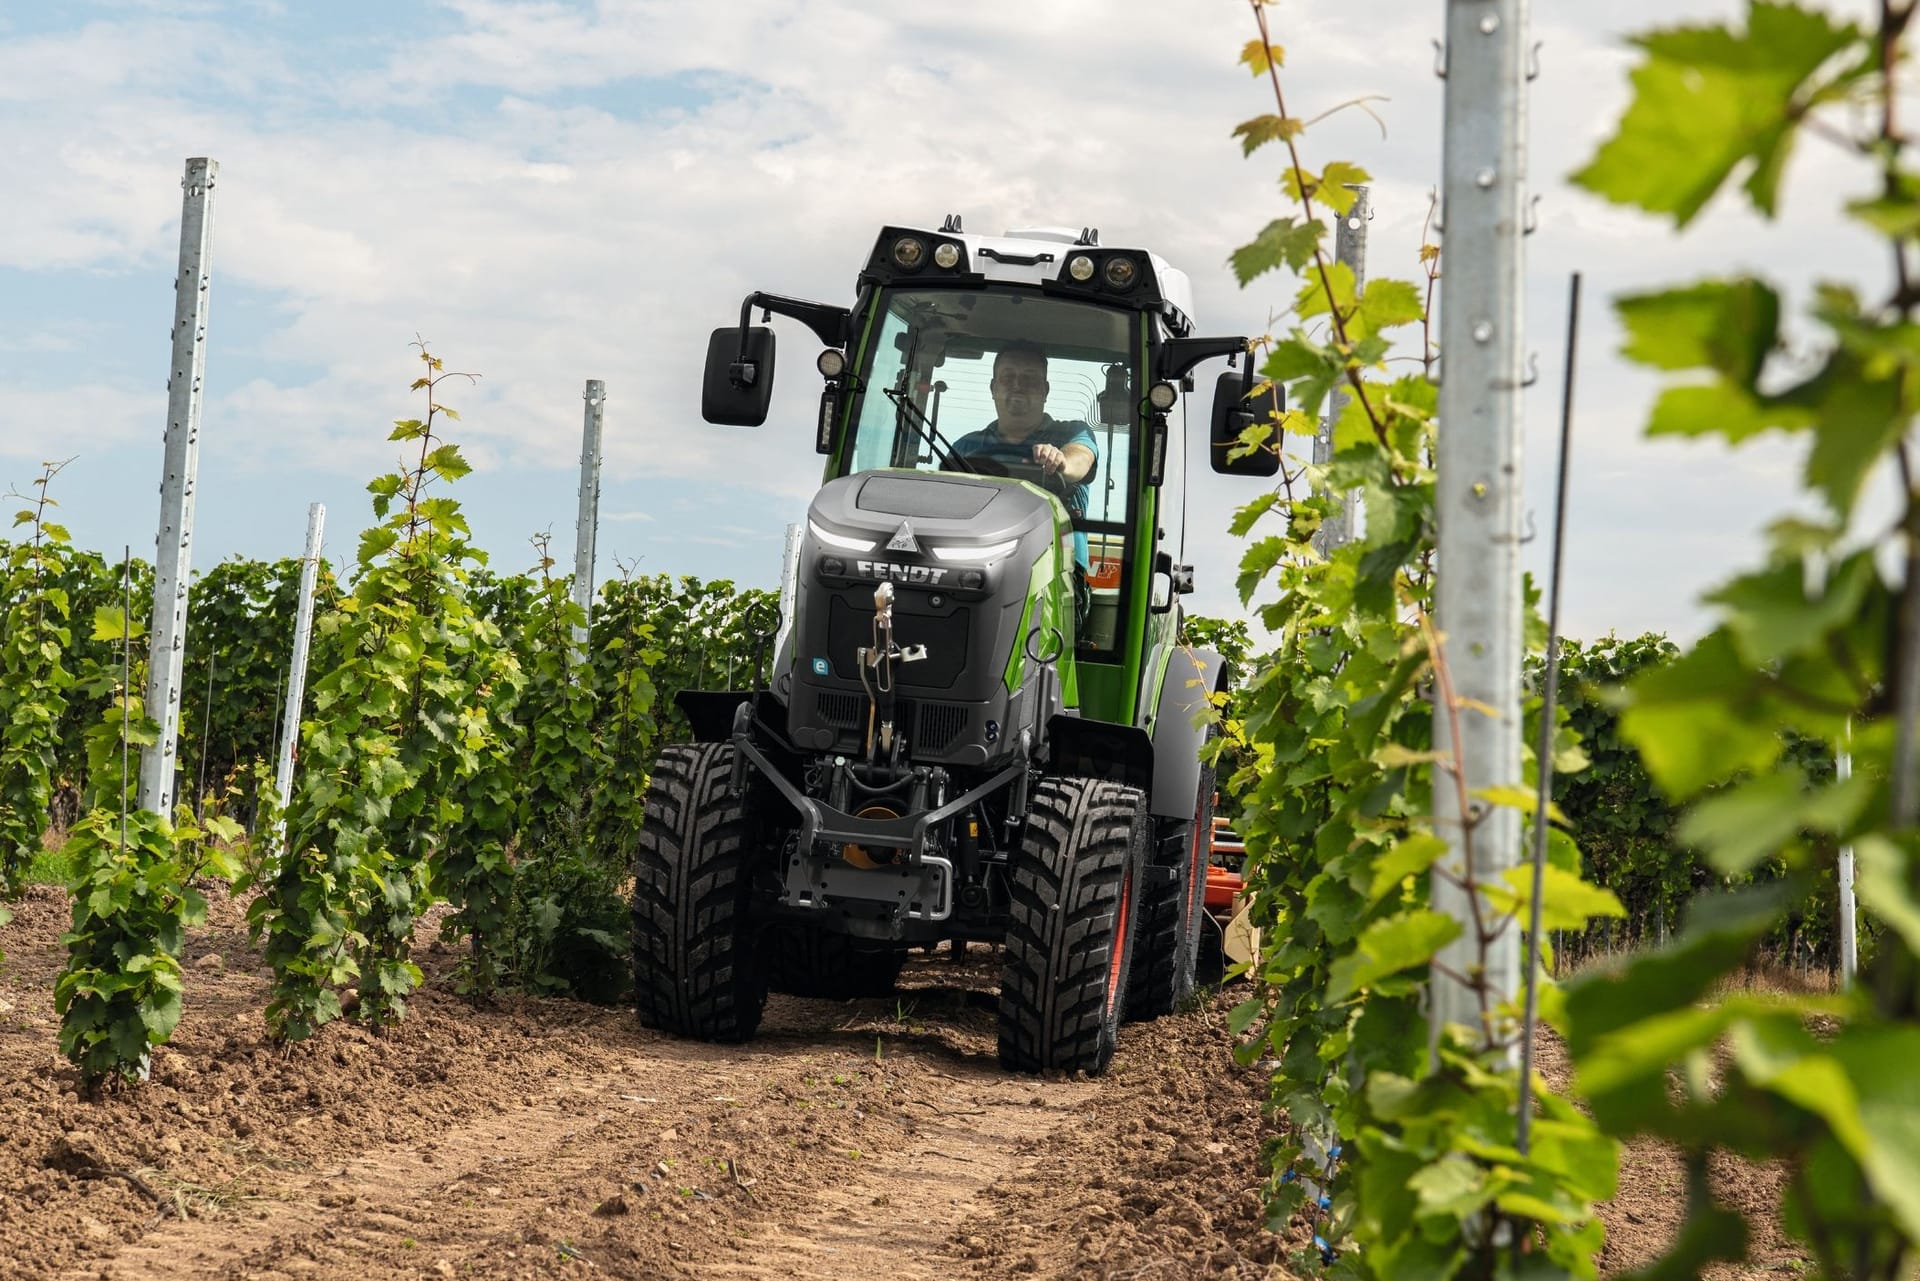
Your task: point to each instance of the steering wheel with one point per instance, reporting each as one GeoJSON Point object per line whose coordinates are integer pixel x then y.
{"type": "Point", "coordinates": [1055, 483]}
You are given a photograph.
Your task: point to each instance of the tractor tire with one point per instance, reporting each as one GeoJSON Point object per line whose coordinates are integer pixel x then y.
{"type": "Point", "coordinates": [1074, 884]}
{"type": "Point", "coordinates": [1173, 908]}
{"type": "Point", "coordinates": [697, 968]}
{"type": "Point", "coordinates": [816, 963]}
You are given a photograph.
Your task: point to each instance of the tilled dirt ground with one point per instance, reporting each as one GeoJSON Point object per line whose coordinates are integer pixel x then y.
{"type": "Point", "coordinates": [524, 1138]}
{"type": "Point", "coordinates": [544, 1138]}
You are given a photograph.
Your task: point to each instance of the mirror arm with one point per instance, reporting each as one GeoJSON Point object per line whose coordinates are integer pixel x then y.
{"type": "Point", "coordinates": [828, 322]}
{"type": "Point", "coordinates": [1178, 356]}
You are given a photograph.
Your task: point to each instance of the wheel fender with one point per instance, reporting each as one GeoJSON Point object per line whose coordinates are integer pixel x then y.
{"type": "Point", "coordinates": [1188, 678]}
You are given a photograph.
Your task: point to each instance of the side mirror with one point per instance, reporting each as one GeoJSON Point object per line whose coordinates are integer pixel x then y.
{"type": "Point", "coordinates": [1164, 583]}
{"type": "Point", "coordinates": [738, 385]}
{"type": "Point", "coordinates": [1233, 412]}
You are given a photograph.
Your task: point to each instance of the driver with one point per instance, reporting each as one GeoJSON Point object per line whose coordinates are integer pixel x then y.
{"type": "Point", "coordinates": [1065, 452]}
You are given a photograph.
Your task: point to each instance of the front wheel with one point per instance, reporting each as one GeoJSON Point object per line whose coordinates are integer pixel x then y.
{"type": "Point", "coordinates": [1074, 883]}
{"type": "Point", "coordinates": [697, 967]}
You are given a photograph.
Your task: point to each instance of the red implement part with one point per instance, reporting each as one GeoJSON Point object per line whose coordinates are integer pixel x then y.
{"type": "Point", "coordinates": [1223, 886]}
{"type": "Point", "coordinates": [1224, 879]}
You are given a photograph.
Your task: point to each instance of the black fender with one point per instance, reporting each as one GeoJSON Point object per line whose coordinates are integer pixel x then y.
{"type": "Point", "coordinates": [1192, 676]}
{"type": "Point", "coordinates": [1088, 748]}
{"type": "Point", "coordinates": [710, 712]}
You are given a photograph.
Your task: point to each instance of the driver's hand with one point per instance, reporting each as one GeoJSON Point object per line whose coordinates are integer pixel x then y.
{"type": "Point", "coordinates": [1051, 459]}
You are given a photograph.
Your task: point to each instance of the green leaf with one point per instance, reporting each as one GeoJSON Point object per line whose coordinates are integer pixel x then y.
{"type": "Point", "coordinates": [1729, 326]}
{"type": "Point", "coordinates": [1386, 304]}
{"type": "Point", "coordinates": [1720, 409]}
{"type": "Point", "coordinates": [1513, 797]}
{"type": "Point", "coordinates": [1772, 615]}
{"type": "Point", "coordinates": [1260, 130]}
{"type": "Point", "coordinates": [1389, 946]}
{"type": "Point", "coordinates": [1336, 183]}
{"type": "Point", "coordinates": [1720, 930]}
{"type": "Point", "coordinates": [447, 462]}
{"type": "Point", "coordinates": [1287, 242]}
{"type": "Point", "coordinates": [1878, 1063]}
{"type": "Point", "coordinates": [1259, 560]}
{"type": "Point", "coordinates": [1858, 418]}
{"type": "Point", "coordinates": [1453, 1186]}
{"type": "Point", "coordinates": [1883, 873]}
{"type": "Point", "coordinates": [1570, 903]}
{"type": "Point", "coordinates": [1709, 100]}
{"type": "Point", "coordinates": [1405, 858]}
{"type": "Point", "coordinates": [1321, 291]}
{"type": "Point", "coordinates": [1695, 722]}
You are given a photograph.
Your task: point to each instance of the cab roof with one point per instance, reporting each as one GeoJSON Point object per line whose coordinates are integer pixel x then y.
{"type": "Point", "coordinates": [1036, 256]}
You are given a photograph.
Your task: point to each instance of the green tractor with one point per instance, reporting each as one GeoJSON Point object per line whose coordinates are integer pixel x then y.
{"type": "Point", "coordinates": [979, 724]}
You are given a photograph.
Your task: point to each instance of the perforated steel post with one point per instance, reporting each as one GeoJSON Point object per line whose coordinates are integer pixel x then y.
{"type": "Point", "coordinates": [297, 670]}
{"type": "Point", "coordinates": [1477, 590]}
{"type": "Point", "coordinates": [586, 528]}
{"type": "Point", "coordinates": [173, 550]}
{"type": "Point", "coordinates": [1849, 911]}
{"type": "Point", "coordinates": [1349, 247]}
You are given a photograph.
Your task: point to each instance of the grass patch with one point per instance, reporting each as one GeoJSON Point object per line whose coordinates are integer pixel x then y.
{"type": "Point", "coordinates": [52, 865]}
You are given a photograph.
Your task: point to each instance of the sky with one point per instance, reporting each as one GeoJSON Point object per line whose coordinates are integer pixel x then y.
{"type": "Point", "coordinates": [560, 190]}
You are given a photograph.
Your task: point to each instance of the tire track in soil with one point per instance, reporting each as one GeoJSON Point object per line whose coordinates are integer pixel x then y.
{"type": "Point", "coordinates": [798, 1156]}
{"type": "Point", "coordinates": [527, 1137]}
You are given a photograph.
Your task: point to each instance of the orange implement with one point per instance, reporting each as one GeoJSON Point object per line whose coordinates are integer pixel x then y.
{"type": "Point", "coordinates": [1224, 879]}
{"type": "Point", "coordinates": [1223, 886]}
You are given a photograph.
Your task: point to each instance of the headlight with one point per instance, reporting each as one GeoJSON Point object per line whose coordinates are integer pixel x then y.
{"type": "Point", "coordinates": [909, 252]}
{"type": "Point", "coordinates": [832, 362]}
{"type": "Point", "coordinates": [1080, 267]}
{"type": "Point", "coordinates": [840, 540]}
{"type": "Point", "coordinates": [1121, 272]}
{"type": "Point", "coordinates": [1161, 396]}
{"type": "Point", "coordinates": [985, 551]}
{"type": "Point", "coordinates": [946, 254]}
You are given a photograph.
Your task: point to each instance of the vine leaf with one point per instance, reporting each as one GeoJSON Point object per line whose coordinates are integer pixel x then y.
{"type": "Point", "coordinates": [1709, 100]}
{"type": "Point", "coordinates": [1285, 242]}
{"type": "Point", "coordinates": [1260, 56]}
{"type": "Point", "coordinates": [1695, 722]}
{"type": "Point", "coordinates": [1878, 1064]}
{"type": "Point", "coordinates": [1881, 872]}
{"type": "Point", "coordinates": [1771, 616]}
{"type": "Point", "coordinates": [1724, 325]}
{"type": "Point", "coordinates": [1567, 904]}
{"type": "Point", "coordinates": [1389, 946]}
{"type": "Point", "coordinates": [1336, 183]}
{"type": "Point", "coordinates": [1261, 130]}
{"type": "Point", "coordinates": [1409, 857]}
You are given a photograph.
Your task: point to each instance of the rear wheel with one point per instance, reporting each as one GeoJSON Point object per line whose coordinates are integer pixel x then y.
{"type": "Point", "coordinates": [810, 962]}
{"type": "Point", "coordinates": [697, 967]}
{"type": "Point", "coordinates": [1173, 906]}
{"type": "Point", "coordinates": [1074, 885]}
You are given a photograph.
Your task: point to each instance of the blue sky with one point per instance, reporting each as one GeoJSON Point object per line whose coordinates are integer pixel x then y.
{"type": "Point", "coordinates": [563, 190]}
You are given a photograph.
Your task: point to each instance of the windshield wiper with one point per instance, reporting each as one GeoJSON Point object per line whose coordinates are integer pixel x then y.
{"type": "Point", "coordinates": [931, 434]}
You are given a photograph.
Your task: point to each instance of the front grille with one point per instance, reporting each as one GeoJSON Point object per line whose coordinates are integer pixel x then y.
{"type": "Point", "coordinates": [938, 726]}
{"type": "Point", "coordinates": [842, 711]}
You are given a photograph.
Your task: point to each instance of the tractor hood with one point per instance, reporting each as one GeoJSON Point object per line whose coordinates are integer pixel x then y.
{"type": "Point", "coordinates": [940, 520]}
{"type": "Point", "coordinates": [974, 563]}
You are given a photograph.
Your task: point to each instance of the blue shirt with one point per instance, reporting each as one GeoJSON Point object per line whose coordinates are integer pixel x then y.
{"type": "Point", "coordinates": [989, 443]}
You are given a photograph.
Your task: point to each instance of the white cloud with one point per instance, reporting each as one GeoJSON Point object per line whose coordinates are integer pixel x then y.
{"type": "Point", "coordinates": [552, 192]}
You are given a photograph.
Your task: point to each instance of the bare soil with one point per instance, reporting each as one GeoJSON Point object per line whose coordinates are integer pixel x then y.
{"type": "Point", "coordinates": [546, 1138]}
{"type": "Point", "coordinates": [526, 1137]}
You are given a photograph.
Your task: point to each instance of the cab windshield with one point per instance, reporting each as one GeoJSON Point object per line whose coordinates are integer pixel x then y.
{"type": "Point", "coordinates": [927, 389]}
